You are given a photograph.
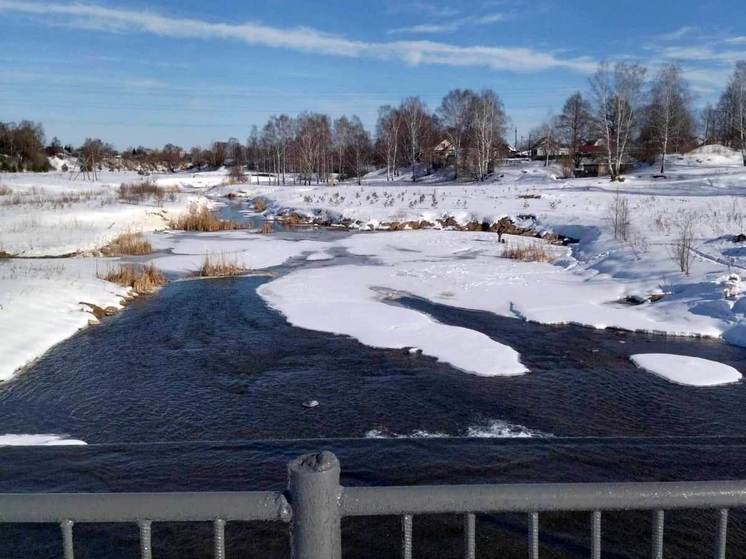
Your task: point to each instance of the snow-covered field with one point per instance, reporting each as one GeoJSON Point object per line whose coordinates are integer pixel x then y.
{"type": "Point", "coordinates": [589, 283]}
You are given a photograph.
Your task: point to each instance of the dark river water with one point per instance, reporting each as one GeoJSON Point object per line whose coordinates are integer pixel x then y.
{"type": "Point", "coordinates": [201, 388]}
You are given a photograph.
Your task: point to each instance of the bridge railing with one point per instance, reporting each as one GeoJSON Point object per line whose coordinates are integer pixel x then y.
{"type": "Point", "coordinates": [314, 504]}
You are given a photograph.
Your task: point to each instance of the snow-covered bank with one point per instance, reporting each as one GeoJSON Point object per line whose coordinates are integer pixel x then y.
{"type": "Point", "coordinates": [41, 305]}
{"type": "Point", "coordinates": [342, 300]}
{"type": "Point", "coordinates": [245, 249]}
{"type": "Point", "coordinates": [49, 214]}
{"type": "Point", "coordinates": [467, 270]}
{"type": "Point", "coordinates": [682, 369]}
{"type": "Point", "coordinates": [38, 440]}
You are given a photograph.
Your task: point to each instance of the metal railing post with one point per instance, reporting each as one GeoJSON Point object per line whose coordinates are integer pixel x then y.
{"type": "Point", "coordinates": [314, 494]}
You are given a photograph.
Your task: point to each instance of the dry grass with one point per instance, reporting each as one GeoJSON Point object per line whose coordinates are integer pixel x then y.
{"type": "Point", "coordinates": [528, 253]}
{"type": "Point", "coordinates": [203, 220]}
{"type": "Point", "coordinates": [139, 192]}
{"type": "Point", "coordinates": [220, 267]}
{"type": "Point", "coordinates": [5, 190]}
{"type": "Point", "coordinates": [260, 204]}
{"type": "Point", "coordinates": [141, 279]}
{"type": "Point", "coordinates": [128, 244]}
{"type": "Point", "coordinates": [266, 228]}
{"type": "Point", "coordinates": [237, 175]}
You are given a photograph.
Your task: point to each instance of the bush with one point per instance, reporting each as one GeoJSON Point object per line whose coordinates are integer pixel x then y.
{"type": "Point", "coordinates": [137, 193]}
{"type": "Point", "coordinates": [237, 175]}
{"type": "Point", "coordinates": [529, 253]}
{"type": "Point", "coordinates": [5, 191]}
{"type": "Point", "coordinates": [260, 204]}
{"type": "Point", "coordinates": [128, 244]}
{"type": "Point", "coordinates": [142, 280]}
{"type": "Point", "coordinates": [220, 267]}
{"type": "Point", "coordinates": [202, 220]}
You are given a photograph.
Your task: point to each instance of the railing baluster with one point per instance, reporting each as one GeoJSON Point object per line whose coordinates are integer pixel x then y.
{"type": "Point", "coordinates": [657, 540]}
{"type": "Point", "coordinates": [219, 526]}
{"type": "Point", "coordinates": [146, 550]}
{"type": "Point", "coordinates": [533, 535]}
{"type": "Point", "coordinates": [722, 536]}
{"type": "Point", "coordinates": [406, 545]}
{"type": "Point", "coordinates": [67, 539]}
{"type": "Point", "coordinates": [470, 525]}
{"type": "Point", "coordinates": [596, 535]}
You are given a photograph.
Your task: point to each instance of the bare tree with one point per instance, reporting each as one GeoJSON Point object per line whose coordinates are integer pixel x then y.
{"type": "Point", "coordinates": [342, 138]}
{"type": "Point", "coordinates": [488, 126]}
{"type": "Point", "coordinates": [619, 216]}
{"type": "Point", "coordinates": [413, 112]}
{"type": "Point", "coordinates": [172, 156]}
{"type": "Point", "coordinates": [617, 94]}
{"type": "Point", "coordinates": [683, 243]}
{"type": "Point", "coordinates": [388, 136]}
{"type": "Point", "coordinates": [455, 112]}
{"type": "Point", "coordinates": [669, 110]}
{"type": "Point", "coordinates": [359, 141]}
{"type": "Point", "coordinates": [737, 93]}
{"type": "Point", "coordinates": [575, 123]}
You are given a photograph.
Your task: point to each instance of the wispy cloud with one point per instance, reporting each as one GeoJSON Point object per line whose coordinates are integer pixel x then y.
{"type": "Point", "coordinates": [678, 34]}
{"type": "Point", "coordinates": [453, 25]}
{"type": "Point", "coordinates": [426, 8]}
{"type": "Point", "coordinates": [301, 39]}
{"type": "Point", "coordinates": [736, 41]}
{"type": "Point", "coordinates": [702, 53]}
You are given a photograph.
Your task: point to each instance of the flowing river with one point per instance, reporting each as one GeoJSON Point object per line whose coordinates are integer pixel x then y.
{"type": "Point", "coordinates": [201, 387]}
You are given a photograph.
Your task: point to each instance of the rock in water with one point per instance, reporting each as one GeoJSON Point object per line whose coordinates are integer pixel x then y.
{"type": "Point", "coordinates": [311, 404]}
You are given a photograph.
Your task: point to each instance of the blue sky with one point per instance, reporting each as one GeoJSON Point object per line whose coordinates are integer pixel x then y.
{"type": "Point", "coordinates": [190, 72]}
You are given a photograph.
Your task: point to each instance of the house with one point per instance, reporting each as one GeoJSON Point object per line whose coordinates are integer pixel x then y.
{"type": "Point", "coordinates": [598, 167]}
{"type": "Point", "coordinates": [443, 154]}
{"type": "Point", "coordinates": [593, 148]}
{"type": "Point", "coordinates": [538, 150]}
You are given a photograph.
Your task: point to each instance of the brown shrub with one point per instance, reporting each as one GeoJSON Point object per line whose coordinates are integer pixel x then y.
{"type": "Point", "coordinates": [237, 175]}
{"type": "Point", "coordinates": [260, 204]}
{"type": "Point", "coordinates": [528, 253]}
{"type": "Point", "coordinates": [141, 279]}
{"type": "Point", "coordinates": [5, 190]}
{"type": "Point", "coordinates": [203, 220]}
{"type": "Point", "coordinates": [266, 228]}
{"type": "Point", "coordinates": [128, 244]}
{"type": "Point", "coordinates": [139, 192]}
{"type": "Point", "coordinates": [220, 267]}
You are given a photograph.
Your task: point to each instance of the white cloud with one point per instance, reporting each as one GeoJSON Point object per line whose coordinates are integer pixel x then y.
{"type": "Point", "coordinates": [736, 41]}
{"type": "Point", "coordinates": [703, 53]}
{"type": "Point", "coordinates": [678, 34]}
{"type": "Point", "coordinates": [453, 25]}
{"type": "Point", "coordinates": [300, 39]}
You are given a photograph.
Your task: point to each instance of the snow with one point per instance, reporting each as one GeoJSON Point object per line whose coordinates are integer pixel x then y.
{"type": "Point", "coordinates": [690, 371]}
{"type": "Point", "coordinates": [342, 300]}
{"type": "Point", "coordinates": [494, 429]}
{"type": "Point", "coordinates": [40, 305]}
{"type": "Point", "coordinates": [38, 440]}
{"type": "Point", "coordinates": [48, 214]}
{"type": "Point", "coordinates": [246, 249]}
{"type": "Point", "coordinates": [465, 270]}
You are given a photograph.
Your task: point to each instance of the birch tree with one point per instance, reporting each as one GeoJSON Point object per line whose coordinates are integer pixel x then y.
{"type": "Point", "coordinates": [669, 109]}
{"type": "Point", "coordinates": [413, 113]}
{"type": "Point", "coordinates": [455, 112]}
{"type": "Point", "coordinates": [488, 126]}
{"type": "Point", "coordinates": [617, 94]}
{"type": "Point", "coordinates": [388, 135]}
{"type": "Point", "coordinates": [574, 123]}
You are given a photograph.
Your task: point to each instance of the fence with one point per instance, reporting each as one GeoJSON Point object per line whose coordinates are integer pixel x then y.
{"type": "Point", "coordinates": [314, 504]}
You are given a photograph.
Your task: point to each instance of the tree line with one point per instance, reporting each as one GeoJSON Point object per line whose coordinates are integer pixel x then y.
{"type": "Point", "coordinates": [627, 115]}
